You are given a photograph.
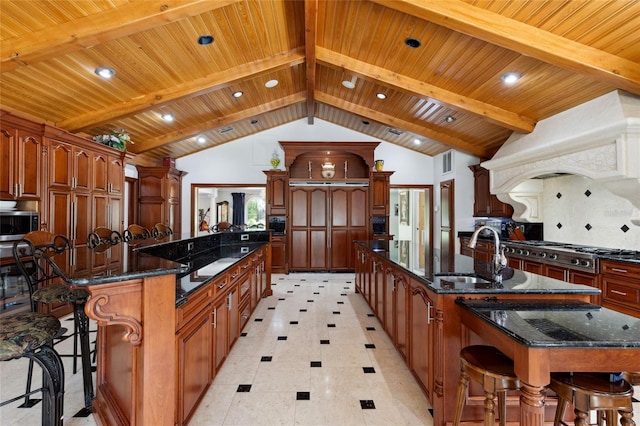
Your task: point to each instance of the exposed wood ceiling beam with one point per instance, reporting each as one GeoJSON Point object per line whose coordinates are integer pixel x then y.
{"type": "Point", "coordinates": [406, 84]}
{"type": "Point", "coordinates": [192, 88]}
{"type": "Point", "coordinates": [525, 39]}
{"type": "Point", "coordinates": [437, 137]}
{"type": "Point", "coordinates": [310, 31]}
{"type": "Point", "coordinates": [218, 122]}
{"type": "Point", "coordinates": [86, 32]}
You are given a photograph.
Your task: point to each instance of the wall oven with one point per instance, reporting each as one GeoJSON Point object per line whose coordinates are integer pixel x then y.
{"type": "Point", "coordinates": [14, 224]}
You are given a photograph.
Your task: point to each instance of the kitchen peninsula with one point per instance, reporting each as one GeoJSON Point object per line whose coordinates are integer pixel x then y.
{"type": "Point", "coordinates": [416, 303]}
{"type": "Point", "coordinates": [168, 310]}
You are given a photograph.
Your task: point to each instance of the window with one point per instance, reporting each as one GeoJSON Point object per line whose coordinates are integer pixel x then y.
{"type": "Point", "coordinates": [447, 162]}
{"type": "Point", "coordinates": [255, 216]}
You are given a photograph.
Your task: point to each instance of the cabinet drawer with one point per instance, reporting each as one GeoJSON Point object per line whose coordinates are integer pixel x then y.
{"type": "Point", "coordinates": [196, 302]}
{"type": "Point", "coordinates": [245, 313]}
{"type": "Point", "coordinates": [627, 270]}
{"type": "Point", "coordinates": [620, 291]}
{"type": "Point", "coordinates": [245, 286]}
{"type": "Point", "coordinates": [221, 284]}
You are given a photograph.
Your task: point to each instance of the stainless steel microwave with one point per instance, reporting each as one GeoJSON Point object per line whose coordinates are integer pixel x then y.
{"type": "Point", "coordinates": [14, 224]}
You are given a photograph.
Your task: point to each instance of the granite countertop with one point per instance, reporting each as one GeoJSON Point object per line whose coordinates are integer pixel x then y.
{"type": "Point", "coordinates": [555, 323]}
{"type": "Point", "coordinates": [425, 265]}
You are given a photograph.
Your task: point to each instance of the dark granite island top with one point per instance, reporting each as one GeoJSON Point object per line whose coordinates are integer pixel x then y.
{"type": "Point", "coordinates": [547, 336]}
{"type": "Point", "coordinates": [406, 255]}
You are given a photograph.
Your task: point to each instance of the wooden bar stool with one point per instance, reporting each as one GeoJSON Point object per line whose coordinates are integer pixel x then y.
{"type": "Point", "coordinates": [592, 391]}
{"type": "Point", "coordinates": [494, 371]}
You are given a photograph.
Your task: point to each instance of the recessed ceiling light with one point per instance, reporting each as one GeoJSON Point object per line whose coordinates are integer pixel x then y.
{"type": "Point", "coordinates": [413, 43]}
{"type": "Point", "coordinates": [510, 77]}
{"type": "Point", "coordinates": [105, 72]}
{"type": "Point", "coordinates": [168, 117]}
{"type": "Point", "coordinates": [237, 94]}
{"type": "Point", "coordinates": [417, 141]}
{"type": "Point", "coordinates": [271, 83]}
{"type": "Point", "coordinates": [365, 122]}
{"type": "Point", "coordinates": [449, 119]}
{"type": "Point", "coordinates": [254, 121]}
{"type": "Point", "coordinates": [201, 140]}
{"type": "Point", "coordinates": [205, 39]}
{"type": "Point", "coordinates": [381, 96]}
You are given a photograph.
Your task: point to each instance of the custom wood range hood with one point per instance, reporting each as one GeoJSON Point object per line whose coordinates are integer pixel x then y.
{"type": "Point", "coordinates": [599, 139]}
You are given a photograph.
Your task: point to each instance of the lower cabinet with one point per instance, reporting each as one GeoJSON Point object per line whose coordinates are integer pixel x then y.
{"type": "Point", "coordinates": [620, 285]}
{"type": "Point", "coordinates": [208, 325]}
{"type": "Point", "coordinates": [421, 336]}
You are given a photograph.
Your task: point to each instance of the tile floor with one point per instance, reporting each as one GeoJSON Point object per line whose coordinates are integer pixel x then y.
{"type": "Point", "coordinates": [312, 354]}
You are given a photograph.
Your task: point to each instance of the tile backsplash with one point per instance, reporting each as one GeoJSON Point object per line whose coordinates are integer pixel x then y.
{"type": "Point", "coordinates": [578, 210]}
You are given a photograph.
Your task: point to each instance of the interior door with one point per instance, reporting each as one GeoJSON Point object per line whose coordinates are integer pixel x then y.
{"type": "Point", "coordinates": [447, 238]}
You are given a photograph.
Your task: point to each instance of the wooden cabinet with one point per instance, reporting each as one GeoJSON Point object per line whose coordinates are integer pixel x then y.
{"type": "Point", "coordinates": [193, 351]}
{"type": "Point", "coordinates": [421, 336]}
{"type": "Point", "coordinates": [401, 316]}
{"type": "Point", "coordinates": [379, 193]}
{"type": "Point", "coordinates": [279, 254]}
{"type": "Point", "coordinates": [159, 191]}
{"type": "Point", "coordinates": [324, 222]}
{"type": "Point", "coordinates": [620, 285]}
{"type": "Point", "coordinates": [276, 192]}
{"type": "Point", "coordinates": [487, 204]}
{"type": "Point", "coordinates": [21, 153]}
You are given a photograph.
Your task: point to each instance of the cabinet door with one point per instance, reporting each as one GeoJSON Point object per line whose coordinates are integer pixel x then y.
{"type": "Point", "coordinates": [60, 165]}
{"type": "Point", "coordinates": [535, 267]}
{"type": "Point", "coordinates": [220, 339]}
{"type": "Point", "coordinates": [7, 160]}
{"type": "Point", "coordinates": [379, 192]}
{"type": "Point", "coordinates": [278, 254]}
{"type": "Point", "coordinates": [557, 272]}
{"type": "Point", "coordinates": [233, 305]}
{"type": "Point", "coordinates": [60, 214]}
{"type": "Point", "coordinates": [29, 165]}
{"type": "Point", "coordinates": [193, 344]}
{"type": "Point", "coordinates": [82, 168]}
{"type": "Point", "coordinates": [402, 314]}
{"type": "Point", "coordinates": [82, 222]}
{"type": "Point", "coordinates": [421, 337]}
{"type": "Point", "coordinates": [100, 173]}
{"type": "Point", "coordinates": [277, 194]}
{"type": "Point", "coordinates": [389, 302]}
{"type": "Point", "coordinates": [115, 175]}
{"type": "Point", "coordinates": [379, 283]}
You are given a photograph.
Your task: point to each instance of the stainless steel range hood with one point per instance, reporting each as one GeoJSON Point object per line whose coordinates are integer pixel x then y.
{"type": "Point", "coordinates": [599, 139]}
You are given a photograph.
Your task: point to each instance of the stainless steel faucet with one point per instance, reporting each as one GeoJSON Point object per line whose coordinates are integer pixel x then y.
{"type": "Point", "coordinates": [499, 259]}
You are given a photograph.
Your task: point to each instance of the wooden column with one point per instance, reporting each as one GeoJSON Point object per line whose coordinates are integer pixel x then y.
{"type": "Point", "coordinates": [136, 358]}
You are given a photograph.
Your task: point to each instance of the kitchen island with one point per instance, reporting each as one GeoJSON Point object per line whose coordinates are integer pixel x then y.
{"type": "Point", "coordinates": [554, 336]}
{"type": "Point", "coordinates": [415, 300]}
{"type": "Point", "coordinates": [157, 303]}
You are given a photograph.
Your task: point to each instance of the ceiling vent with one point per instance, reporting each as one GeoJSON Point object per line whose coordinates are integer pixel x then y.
{"type": "Point", "coordinates": [225, 130]}
{"type": "Point", "coordinates": [394, 131]}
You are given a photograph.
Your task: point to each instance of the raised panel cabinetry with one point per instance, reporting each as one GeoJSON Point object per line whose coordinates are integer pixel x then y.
{"type": "Point", "coordinates": [487, 204]}
{"type": "Point", "coordinates": [620, 285]}
{"type": "Point", "coordinates": [21, 153]}
{"type": "Point", "coordinates": [276, 192]}
{"type": "Point", "coordinates": [421, 335]}
{"type": "Point", "coordinates": [159, 190]}
{"type": "Point", "coordinates": [379, 193]}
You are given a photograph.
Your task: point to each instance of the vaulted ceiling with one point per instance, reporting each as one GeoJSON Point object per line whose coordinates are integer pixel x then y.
{"type": "Point", "coordinates": [438, 62]}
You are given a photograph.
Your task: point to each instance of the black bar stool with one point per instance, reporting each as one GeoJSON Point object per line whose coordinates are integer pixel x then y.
{"type": "Point", "coordinates": [46, 286]}
{"type": "Point", "coordinates": [494, 371]}
{"type": "Point", "coordinates": [30, 335]}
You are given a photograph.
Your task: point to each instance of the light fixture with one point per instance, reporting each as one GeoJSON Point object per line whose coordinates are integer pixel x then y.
{"type": "Point", "coordinates": [105, 72]}
{"type": "Point", "coordinates": [201, 140]}
{"type": "Point", "coordinates": [510, 77]}
{"type": "Point", "coordinates": [328, 170]}
{"type": "Point", "coordinates": [381, 95]}
{"type": "Point", "coordinates": [413, 43]}
{"type": "Point", "coordinates": [449, 119]}
{"type": "Point", "coordinates": [205, 39]}
{"type": "Point", "coordinates": [365, 122]}
{"type": "Point", "coordinates": [238, 94]}
{"type": "Point", "coordinates": [271, 83]}
{"type": "Point", "coordinates": [350, 84]}
{"type": "Point", "coordinates": [254, 121]}
{"type": "Point", "coordinates": [168, 117]}
{"type": "Point", "coordinates": [416, 141]}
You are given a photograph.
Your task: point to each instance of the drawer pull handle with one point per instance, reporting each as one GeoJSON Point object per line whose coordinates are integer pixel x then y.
{"type": "Point", "coordinates": [222, 285]}
{"type": "Point", "coordinates": [621, 293]}
{"type": "Point", "coordinates": [619, 270]}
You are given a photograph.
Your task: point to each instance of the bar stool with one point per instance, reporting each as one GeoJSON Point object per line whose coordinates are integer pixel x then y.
{"type": "Point", "coordinates": [30, 335]}
{"type": "Point", "coordinates": [45, 286]}
{"type": "Point", "coordinates": [494, 371]}
{"type": "Point", "coordinates": [103, 237]}
{"type": "Point", "coordinates": [135, 233]}
{"type": "Point", "coordinates": [161, 230]}
{"type": "Point", "coordinates": [592, 391]}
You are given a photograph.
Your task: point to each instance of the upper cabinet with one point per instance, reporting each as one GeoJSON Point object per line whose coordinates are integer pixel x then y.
{"type": "Point", "coordinates": [277, 192]}
{"type": "Point", "coordinates": [485, 203]}
{"type": "Point", "coordinates": [379, 193]}
{"type": "Point", "coordinates": [159, 190]}
{"type": "Point", "coordinates": [21, 155]}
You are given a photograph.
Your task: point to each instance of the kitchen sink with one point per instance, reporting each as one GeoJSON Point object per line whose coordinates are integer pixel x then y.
{"type": "Point", "coordinates": [467, 279]}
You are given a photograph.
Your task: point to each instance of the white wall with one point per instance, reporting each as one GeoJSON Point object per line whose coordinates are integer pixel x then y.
{"type": "Point", "coordinates": [243, 161]}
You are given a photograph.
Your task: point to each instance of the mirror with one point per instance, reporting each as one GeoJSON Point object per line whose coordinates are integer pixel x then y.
{"type": "Point", "coordinates": [214, 203]}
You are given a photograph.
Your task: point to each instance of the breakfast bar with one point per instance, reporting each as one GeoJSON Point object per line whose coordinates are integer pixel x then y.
{"type": "Point", "coordinates": [543, 336]}
{"type": "Point", "coordinates": [141, 293]}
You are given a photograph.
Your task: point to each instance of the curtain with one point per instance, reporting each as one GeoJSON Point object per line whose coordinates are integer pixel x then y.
{"type": "Point", "coordinates": [238, 208]}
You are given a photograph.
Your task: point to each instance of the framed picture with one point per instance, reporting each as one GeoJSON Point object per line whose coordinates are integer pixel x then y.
{"type": "Point", "coordinates": [403, 197]}
{"type": "Point", "coordinates": [403, 254]}
{"type": "Point", "coordinates": [223, 211]}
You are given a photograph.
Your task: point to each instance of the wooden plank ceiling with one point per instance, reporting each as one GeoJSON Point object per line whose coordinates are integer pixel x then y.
{"type": "Point", "coordinates": [567, 52]}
